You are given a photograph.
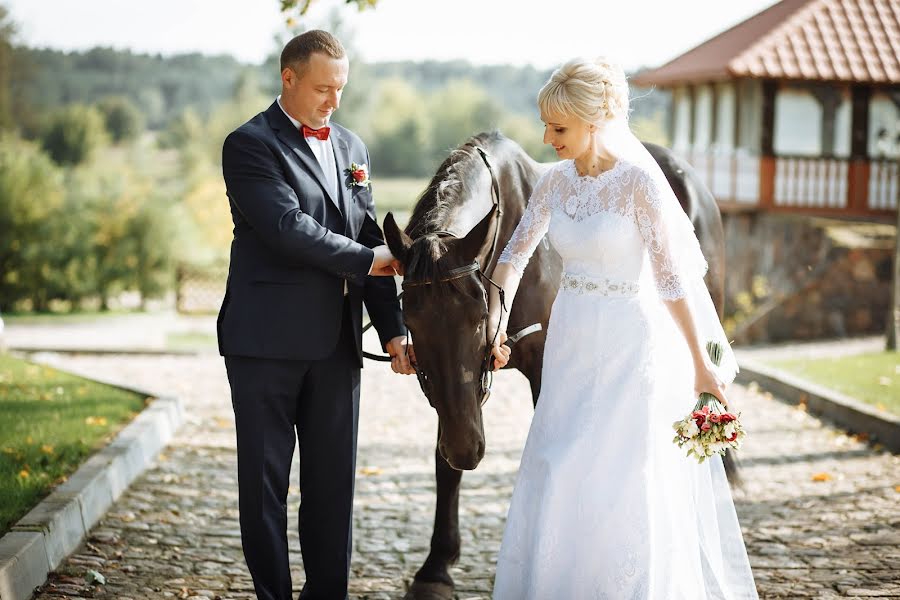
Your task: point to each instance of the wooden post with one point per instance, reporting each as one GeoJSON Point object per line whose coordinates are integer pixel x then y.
{"type": "Point", "coordinates": [767, 151]}
{"type": "Point", "coordinates": [858, 169]}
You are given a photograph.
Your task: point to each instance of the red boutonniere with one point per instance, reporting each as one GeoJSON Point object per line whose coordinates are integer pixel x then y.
{"type": "Point", "coordinates": [357, 175]}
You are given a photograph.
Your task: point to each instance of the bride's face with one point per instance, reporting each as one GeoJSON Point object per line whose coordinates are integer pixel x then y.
{"type": "Point", "coordinates": [569, 135]}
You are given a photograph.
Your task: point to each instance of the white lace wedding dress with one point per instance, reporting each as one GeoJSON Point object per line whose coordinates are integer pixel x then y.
{"type": "Point", "coordinates": [605, 505]}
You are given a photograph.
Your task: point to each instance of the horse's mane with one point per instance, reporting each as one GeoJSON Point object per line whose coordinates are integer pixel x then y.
{"type": "Point", "coordinates": [435, 207]}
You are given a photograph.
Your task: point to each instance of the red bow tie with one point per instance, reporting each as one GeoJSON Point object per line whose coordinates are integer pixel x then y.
{"type": "Point", "coordinates": [321, 133]}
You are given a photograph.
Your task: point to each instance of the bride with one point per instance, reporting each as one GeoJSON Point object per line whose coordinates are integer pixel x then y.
{"type": "Point", "coordinates": [605, 505]}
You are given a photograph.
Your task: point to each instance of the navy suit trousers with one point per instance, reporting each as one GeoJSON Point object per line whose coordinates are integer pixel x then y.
{"type": "Point", "coordinates": [316, 403]}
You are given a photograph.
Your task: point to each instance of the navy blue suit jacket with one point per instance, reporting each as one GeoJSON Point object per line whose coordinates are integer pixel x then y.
{"type": "Point", "coordinates": [295, 244]}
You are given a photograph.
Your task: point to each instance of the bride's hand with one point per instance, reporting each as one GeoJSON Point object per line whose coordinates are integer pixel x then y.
{"type": "Point", "coordinates": [500, 352]}
{"type": "Point", "coordinates": [707, 381]}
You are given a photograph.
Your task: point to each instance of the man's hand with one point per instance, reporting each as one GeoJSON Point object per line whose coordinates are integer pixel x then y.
{"type": "Point", "coordinates": [384, 263]}
{"type": "Point", "coordinates": [398, 349]}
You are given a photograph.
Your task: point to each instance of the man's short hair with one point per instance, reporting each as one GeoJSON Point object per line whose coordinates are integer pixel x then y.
{"type": "Point", "coordinates": [296, 52]}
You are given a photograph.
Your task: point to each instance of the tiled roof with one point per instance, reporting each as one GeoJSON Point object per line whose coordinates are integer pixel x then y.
{"type": "Point", "coordinates": [808, 40]}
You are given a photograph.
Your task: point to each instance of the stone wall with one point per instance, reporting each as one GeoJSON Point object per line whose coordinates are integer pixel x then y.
{"type": "Point", "coordinates": [798, 278]}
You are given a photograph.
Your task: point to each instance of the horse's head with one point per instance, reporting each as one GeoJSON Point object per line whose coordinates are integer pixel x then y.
{"type": "Point", "coordinates": [445, 308]}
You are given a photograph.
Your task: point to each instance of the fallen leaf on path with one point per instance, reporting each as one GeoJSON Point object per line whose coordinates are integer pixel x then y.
{"type": "Point", "coordinates": [93, 576]}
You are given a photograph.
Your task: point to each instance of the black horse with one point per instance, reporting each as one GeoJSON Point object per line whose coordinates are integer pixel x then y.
{"type": "Point", "coordinates": [468, 213]}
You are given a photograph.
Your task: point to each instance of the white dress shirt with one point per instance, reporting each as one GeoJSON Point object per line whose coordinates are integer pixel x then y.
{"type": "Point", "coordinates": [324, 153]}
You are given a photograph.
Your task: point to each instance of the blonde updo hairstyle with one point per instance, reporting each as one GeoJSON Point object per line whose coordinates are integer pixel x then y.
{"type": "Point", "coordinates": [595, 91]}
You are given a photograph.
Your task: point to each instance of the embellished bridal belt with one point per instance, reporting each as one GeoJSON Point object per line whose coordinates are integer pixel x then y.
{"type": "Point", "coordinates": [600, 286]}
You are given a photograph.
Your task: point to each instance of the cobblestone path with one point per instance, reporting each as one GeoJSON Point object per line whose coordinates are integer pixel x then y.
{"type": "Point", "coordinates": [820, 511]}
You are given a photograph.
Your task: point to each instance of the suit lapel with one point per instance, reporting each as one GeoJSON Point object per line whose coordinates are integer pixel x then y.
{"type": "Point", "coordinates": [342, 160]}
{"type": "Point", "coordinates": [291, 137]}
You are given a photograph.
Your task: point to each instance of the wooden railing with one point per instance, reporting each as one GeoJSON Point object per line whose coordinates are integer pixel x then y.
{"type": "Point", "coordinates": [884, 184]}
{"type": "Point", "coordinates": [813, 185]}
{"type": "Point", "coordinates": [810, 182]}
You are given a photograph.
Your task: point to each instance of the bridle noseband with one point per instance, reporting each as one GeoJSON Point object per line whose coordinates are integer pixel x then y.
{"type": "Point", "coordinates": [487, 365]}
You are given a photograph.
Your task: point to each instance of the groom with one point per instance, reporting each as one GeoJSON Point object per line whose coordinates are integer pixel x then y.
{"type": "Point", "coordinates": [307, 252]}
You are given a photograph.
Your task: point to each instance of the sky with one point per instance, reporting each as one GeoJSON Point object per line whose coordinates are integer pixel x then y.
{"type": "Point", "coordinates": [544, 34]}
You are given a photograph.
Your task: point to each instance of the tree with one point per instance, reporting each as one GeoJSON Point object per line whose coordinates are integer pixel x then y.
{"type": "Point", "coordinates": [7, 31]}
{"type": "Point", "coordinates": [458, 111]}
{"type": "Point", "coordinates": [151, 235]}
{"type": "Point", "coordinates": [73, 134]}
{"type": "Point", "coordinates": [400, 131]}
{"type": "Point", "coordinates": [31, 199]}
{"type": "Point", "coordinates": [123, 120]}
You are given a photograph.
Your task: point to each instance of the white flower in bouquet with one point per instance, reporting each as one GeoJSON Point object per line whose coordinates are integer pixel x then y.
{"type": "Point", "coordinates": [690, 429]}
{"type": "Point", "coordinates": [730, 429]}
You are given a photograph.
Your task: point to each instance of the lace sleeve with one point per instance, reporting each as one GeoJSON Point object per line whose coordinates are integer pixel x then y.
{"type": "Point", "coordinates": [531, 229]}
{"type": "Point", "coordinates": [650, 213]}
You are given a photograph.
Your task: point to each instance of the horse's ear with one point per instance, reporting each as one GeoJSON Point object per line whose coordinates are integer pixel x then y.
{"type": "Point", "coordinates": [396, 238]}
{"type": "Point", "coordinates": [478, 241]}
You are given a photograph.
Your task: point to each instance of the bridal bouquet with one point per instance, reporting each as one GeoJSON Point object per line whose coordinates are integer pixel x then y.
{"type": "Point", "coordinates": [709, 429]}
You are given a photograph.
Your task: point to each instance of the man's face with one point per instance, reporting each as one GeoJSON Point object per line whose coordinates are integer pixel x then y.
{"type": "Point", "coordinates": [315, 93]}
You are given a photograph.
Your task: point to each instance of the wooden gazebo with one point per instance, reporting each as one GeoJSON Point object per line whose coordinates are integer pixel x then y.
{"type": "Point", "coordinates": [796, 109]}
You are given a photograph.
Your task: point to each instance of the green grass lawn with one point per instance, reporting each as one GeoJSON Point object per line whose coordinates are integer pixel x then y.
{"type": "Point", "coordinates": [397, 194]}
{"type": "Point", "coordinates": [873, 378]}
{"type": "Point", "coordinates": [50, 422]}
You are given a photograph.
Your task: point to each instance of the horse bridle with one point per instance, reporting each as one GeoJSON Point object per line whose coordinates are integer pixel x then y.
{"type": "Point", "coordinates": [487, 366]}
{"type": "Point", "coordinates": [487, 377]}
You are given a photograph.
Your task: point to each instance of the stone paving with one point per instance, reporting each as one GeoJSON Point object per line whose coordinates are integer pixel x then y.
{"type": "Point", "coordinates": [820, 510]}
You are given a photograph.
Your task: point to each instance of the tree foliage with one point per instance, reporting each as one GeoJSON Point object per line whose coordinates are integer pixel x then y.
{"type": "Point", "coordinates": [7, 32]}
{"type": "Point", "coordinates": [73, 134]}
{"type": "Point", "coordinates": [123, 121]}
{"type": "Point", "coordinates": [31, 199]}
{"type": "Point", "coordinates": [67, 235]}
{"type": "Point", "coordinates": [160, 87]}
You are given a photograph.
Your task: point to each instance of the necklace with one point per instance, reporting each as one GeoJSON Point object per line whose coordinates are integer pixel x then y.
{"type": "Point", "coordinates": [593, 169]}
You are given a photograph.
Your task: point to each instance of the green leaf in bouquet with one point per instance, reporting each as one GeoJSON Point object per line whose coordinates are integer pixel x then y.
{"type": "Point", "coordinates": [715, 351]}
